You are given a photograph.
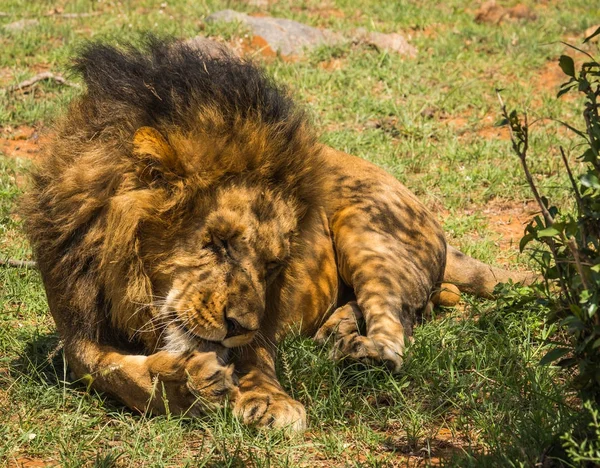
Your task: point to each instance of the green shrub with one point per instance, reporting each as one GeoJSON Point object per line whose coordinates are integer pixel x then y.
{"type": "Point", "coordinates": [569, 256]}
{"type": "Point", "coordinates": [570, 261]}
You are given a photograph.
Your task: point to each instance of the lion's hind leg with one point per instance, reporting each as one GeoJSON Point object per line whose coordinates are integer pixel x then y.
{"type": "Point", "coordinates": [392, 268]}
{"type": "Point", "coordinates": [186, 383]}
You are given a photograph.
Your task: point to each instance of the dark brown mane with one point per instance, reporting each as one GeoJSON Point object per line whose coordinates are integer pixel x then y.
{"type": "Point", "coordinates": [91, 195]}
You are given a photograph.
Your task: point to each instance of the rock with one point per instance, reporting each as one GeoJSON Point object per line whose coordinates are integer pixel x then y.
{"type": "Point", "coordinates": [393, 42]}
{"type": "Point", "coordinates": [285, 36]}
{"type": "Point", "coordinates": [21, 25]}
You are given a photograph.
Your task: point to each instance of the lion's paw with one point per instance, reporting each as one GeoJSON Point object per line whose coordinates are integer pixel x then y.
{"type": "Point", "coordinates": [370, 349]}
{"type": "Point", "coordinates": [342, 328]}
{"type": "Point", "coordinates": [271, 410]}
{"type": "Point", "coordinates": [342, 322]}
{"type": "Point", "coordinates": [210, 381]}
{"type": "Point", "coordinates": [191, 383]}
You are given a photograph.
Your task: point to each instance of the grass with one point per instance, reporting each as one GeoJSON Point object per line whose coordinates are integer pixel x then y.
{"type": "Point", "coordinates": [471, 392]}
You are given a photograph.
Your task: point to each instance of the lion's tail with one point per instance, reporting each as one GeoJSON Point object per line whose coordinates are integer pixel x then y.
{"type": "Point", "coordinates": [475, 277]}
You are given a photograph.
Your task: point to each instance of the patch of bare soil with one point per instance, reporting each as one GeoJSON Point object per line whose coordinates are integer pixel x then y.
{"type": "Point", "coordinates": [6, 76]}
{"type": "Point", "coordinates": [549, 78]}
{"type": "Point", "coordinates": [485, 128]}
{"type": "Point", "coordinates": [333, 64]}
{"type": "Point", "coordinates": [427, 451]}
{"type": "Point", "coordinates": [21, 142]}
{"type": "Point", "coordinates": [509, 220]}
{"type": "Point", "coordinates": [29, 462]}
{"type": "Point", "coordinates": [494, 13]}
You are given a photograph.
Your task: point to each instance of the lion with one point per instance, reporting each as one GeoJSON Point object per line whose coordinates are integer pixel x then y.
{"type": "Point", "coordinates": [185, 217]}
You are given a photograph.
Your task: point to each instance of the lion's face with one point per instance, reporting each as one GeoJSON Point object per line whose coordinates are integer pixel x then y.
{"type": "Point", "coordinates": [214, 283]}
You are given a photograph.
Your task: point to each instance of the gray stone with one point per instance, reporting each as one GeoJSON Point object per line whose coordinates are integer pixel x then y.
{"type": "Point", "coordinates": [288, 37]}
{"type": "Point", "coordinates": [21, 25]}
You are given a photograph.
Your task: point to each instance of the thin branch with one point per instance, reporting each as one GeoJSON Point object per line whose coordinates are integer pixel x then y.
{"type": "Point", "coordinates": [23, 85]}
{"type": "Point", "coordinates": [10, 262]}
{"type": "Point", "coordinates": [572, 179]}
{"type": "Point", "coordinates": [522, 154]}
{"type": "Point", "coordinates": [520, 144]}
{"type": "Point", "coordinates": [572, 244]}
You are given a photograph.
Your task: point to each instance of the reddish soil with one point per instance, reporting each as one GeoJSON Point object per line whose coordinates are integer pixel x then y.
{"type": "Point", "coordinates": [332, 65]}
{"type": "Point", "coordinates": [493, 13]}
{"type": "Point", "coordinates": [486, 128]}
{"type": "Point", "coordinates": [22, 142]}
{"type": "Point", "coordinates": [550, 78]}
{"type": "Point", "coordinates": [509, 220]}
{"type": "Point", "coordinates": [28, 462]}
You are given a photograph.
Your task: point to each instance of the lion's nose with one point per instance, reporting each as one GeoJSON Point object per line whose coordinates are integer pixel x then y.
{"type": "Point", "coordinates": [234, 328]}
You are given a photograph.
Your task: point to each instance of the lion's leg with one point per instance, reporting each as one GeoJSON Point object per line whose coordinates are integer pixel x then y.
{"type": "Point", "coordinates": [262, 400]}
{"type": "Point", "coordinates": [392, 276]}
{"type": "Point", "coordinates": [178, 383]}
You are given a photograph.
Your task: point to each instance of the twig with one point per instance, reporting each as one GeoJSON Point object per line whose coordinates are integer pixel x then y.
{"type": "Point", "coordinates": [572, 179]}
{"type": "Point", "coordinates": [10, 262]}
{"type": "Point", "coordinates": [520, 144]}
{"type": "Point", "coordinates": [40, 77]}
{"type": "Point", "coordinates": [572, 244]}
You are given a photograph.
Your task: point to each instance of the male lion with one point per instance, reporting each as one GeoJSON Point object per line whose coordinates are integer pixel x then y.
{"type": "Point", "coordinates": [185, 216]}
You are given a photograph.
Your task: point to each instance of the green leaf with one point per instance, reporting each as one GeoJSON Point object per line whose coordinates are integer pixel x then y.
{"type": "Point", "coordinates": [526, 239]}
{"type": "Point", "coordinates": [573, 323]}
{"type": "Point", "coordinates": [590, 180]}
{"type": "Point", "coordinates": [591, 36]}
{"type": "Point", "coordinates": [553, 355]}
{"type": "Point", "coordinates": [596, 268]}
{"type": "Point", "coordinates": [548, 232]}
{"type": "Point", "coordinates": [567, 65]}
{"type": "Point", "coordinates": [596, 344]}
{"type": "Point", "coordinates": [589, 155]}
{"type": "Point", "coordinates": [564, 91]}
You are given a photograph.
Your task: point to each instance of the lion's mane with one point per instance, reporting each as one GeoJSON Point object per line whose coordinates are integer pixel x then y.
{"type": "Point", "coordinates": [93, 198]}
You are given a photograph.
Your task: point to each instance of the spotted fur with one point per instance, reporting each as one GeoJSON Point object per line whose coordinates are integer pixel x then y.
{"type": "Point", "coordinates": [185, 217]}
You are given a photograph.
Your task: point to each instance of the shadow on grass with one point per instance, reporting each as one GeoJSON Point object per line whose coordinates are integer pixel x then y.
{"type": "Point", "coordinates": [42, 364]}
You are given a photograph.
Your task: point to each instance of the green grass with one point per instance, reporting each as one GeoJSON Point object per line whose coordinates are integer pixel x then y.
{"type": "Point", "coordinates": [471, 392]}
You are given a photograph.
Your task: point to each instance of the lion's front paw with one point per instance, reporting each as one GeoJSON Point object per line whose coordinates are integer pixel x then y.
{"type": "Point", "coordinates": [210, 381]}
{"type": "Point", "coordinates": [277, 410]}
{"type": "Point", "coordinates": [191, 383]}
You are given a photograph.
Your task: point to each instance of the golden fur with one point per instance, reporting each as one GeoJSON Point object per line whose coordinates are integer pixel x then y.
{"type": "Point", "coordinates": [185, 217]}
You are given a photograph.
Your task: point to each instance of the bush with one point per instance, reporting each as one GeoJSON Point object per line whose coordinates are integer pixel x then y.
{"type": "Point", "coordinates": [570, 261]}
{"type": "Point", "coordinates": [570, 257]}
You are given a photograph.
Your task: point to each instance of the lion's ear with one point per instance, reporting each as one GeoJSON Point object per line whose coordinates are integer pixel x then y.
{"type": "Point", "coordinates": [157, 156]}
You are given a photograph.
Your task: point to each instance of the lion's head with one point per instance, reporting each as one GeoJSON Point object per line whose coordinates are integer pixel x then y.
{"type": "Point", "coordinates": [172, 197]}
